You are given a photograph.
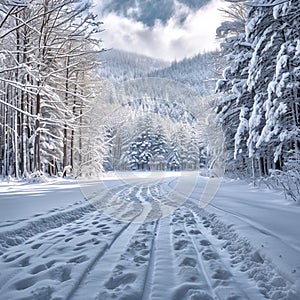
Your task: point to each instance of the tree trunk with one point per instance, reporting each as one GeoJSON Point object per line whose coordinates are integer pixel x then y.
{"type": "Point", "coordinates": [16, 145]}
{"type": "Point", "coordinates": [37, 149]}
{"type": "Point", "coordinates": [65, 150]}
{"type": "Point", "coordinates": [65, 140]}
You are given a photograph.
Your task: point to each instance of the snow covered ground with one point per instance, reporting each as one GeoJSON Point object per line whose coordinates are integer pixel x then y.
{"type": "Point", "coordinates": [148, 239]}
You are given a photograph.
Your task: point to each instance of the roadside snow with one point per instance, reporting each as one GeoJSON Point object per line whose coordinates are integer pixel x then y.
{"type": "Point", "coordinates": [21, 200]}
{"type": "Point", "coordinates": [266, 219]}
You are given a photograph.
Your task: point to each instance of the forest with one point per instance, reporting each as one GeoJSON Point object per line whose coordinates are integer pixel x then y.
{"type": "Point", "coordinates": [49, 55]}
{"type": "Point", "coordinates": [259, 106]}
{"type": "Point", "coordinates": [61, 111]}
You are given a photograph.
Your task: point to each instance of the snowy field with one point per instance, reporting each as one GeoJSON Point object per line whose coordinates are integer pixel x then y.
{"type": "Point", "coordinates": [144, 236]}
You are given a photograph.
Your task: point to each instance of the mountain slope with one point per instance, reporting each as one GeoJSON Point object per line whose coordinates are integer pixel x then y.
{"type": "Point", "coordinates": [118, 65]}
{"type": "Point", "coordinates": [198, 72]}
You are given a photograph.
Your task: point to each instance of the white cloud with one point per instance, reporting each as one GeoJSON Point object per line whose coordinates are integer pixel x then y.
{"type": "Point", "coordinates": [170, 41]}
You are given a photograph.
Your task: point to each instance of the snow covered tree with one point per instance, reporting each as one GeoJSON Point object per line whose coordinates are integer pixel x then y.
{"type": "Point", "coordinates": [280, 130]}
{"type": "Point", "coordinates": [173, 158]}
{"type": "Point", "coordinates": [149, 146]}
{"type": "Point", "coordinates": [47, 47]}
{"type": "Point", "coordinates": [264, 89]}
{"type": "Point", "coordinates": [193, 150]}
{"type": "Point", "coordinates": [159, 149]}
{"type": "Point", "coordinates": [234, 106]}
{"type": "Point", "coordinates": [273, 125]}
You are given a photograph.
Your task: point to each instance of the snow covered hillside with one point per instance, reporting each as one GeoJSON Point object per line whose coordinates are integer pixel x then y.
{"type": "Point", "coordinates": [55, 244]}
{"type": "Point", "coordinates": [118, 65]}
{"type": "Point", "coordinates": [198, 72]}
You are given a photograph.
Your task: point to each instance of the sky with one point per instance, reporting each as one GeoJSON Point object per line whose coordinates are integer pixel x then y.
{"type": "Point", "coordinates": [165, 29]}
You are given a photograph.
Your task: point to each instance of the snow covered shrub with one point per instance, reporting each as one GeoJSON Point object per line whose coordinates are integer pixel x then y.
{"type": "Point", "coordinates": [37, 177]}
{"type": "Point", "coordinates": [289, 181]}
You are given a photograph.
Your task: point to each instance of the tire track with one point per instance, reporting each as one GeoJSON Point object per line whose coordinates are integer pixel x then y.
{"type": "Point", "coordinates": [151, 265]}
{"type": "Point", "coordinates": [15, 237]}
{"type": "Point", "coordinates": [201, 267]}
{"type": "Point", "coordinates": [95, 277]}
{"type": "Point", "coordinates": [93, 263]}
{"type": "Point", "coordinates": [54, 255]}
{"type": "Point", "coordinates": [211, 264]}
{"type": "Point", "coordinates": [157, 287]}
{"type": "Point", "coordinates": [130, 271]}
{"type": "Point", "coordinates": [191, 279]}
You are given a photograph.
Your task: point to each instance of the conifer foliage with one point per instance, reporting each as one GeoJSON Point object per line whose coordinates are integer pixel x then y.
{"type": "Point", "coordinates": [260, 105]}
{"type": "Point", "coordinates": [155, 143]}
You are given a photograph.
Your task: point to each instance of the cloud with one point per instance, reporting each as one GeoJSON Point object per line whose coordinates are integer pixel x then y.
{"type": "Point", "coordinates": [185, 34]}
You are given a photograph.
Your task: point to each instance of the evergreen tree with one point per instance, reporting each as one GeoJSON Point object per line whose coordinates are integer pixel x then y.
{"type": "Point", "coordinates": [173, 158]}
{"type": "Point", "coordinates": [261, 88]}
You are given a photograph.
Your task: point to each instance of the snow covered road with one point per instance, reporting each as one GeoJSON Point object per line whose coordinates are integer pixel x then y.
{"type": "Point", "coordinates": [137, 249]}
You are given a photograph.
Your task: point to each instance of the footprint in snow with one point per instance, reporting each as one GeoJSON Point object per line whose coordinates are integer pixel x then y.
{"type": "Point", "coordinates": [182, 244]}
{"type": "Point", "coordinates": [25, 283]}
{"type": "Point", "coordinates": [205, 243]}
{"type": "Point", "coordinates": [190, 291]}
{"type": "Point", "coordinates": [78, 248]}
{"type": "Point", "coordinates": [29, 242]}
{"type": "Point", "coordinates": [61, 273]}
{"type": "Point", "coordinates": [138, 246]}
{"type": "Point", "coordinates": [209, 254]}
{"type": "Point", "coordinates": [12, 258]}
{"type": "Point", "coordinates": [188, 261]}
{"type": "Point", "coordinates": [50, 263]}
{"type": "Point", "coordinates": [222, 274]}
{"type": "Point", "coordinates": [122, 279]}
{"type": "Point", "coordinates": [101, 225]}
{"type": "Point", "coordinates": [256, 257]}
{"type": "Point", "coordinates": [36, 246]}
{"type": "Point", "coordinates": [38, 269]}
{"type": "Point", "coordinates": [44, 293]}
{"type": "Point", "coordinates": [68, 239]}
{"type": "Point", "coordinates": [78, 259]}
{"type": "Point", "coordinates": [178, 232]}
{"type": "Point", "coordinates": [25, 262]}
{"type": "Point", "coordinates": [140, 260]}
{"type": "Point", "coordinates": [206, 224]}
{"type": "Point", "coordinates": [190, 222]}
{"type": "Point", "coordinates": [80, 231]}
{"type": "Point", "coordinates": [86, 242]}
{"type": "Point", "coordinates": [105, 232]}
{"type": "Point", "coordinates": [58, 236]}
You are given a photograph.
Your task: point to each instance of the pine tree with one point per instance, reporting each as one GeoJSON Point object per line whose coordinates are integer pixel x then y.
{"type": "Point", "coordinates": [262, 86]}
{"type": "Point", "coordinates": [235, 106]}
{"type": "Point", "coordinates": [173, 158]}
